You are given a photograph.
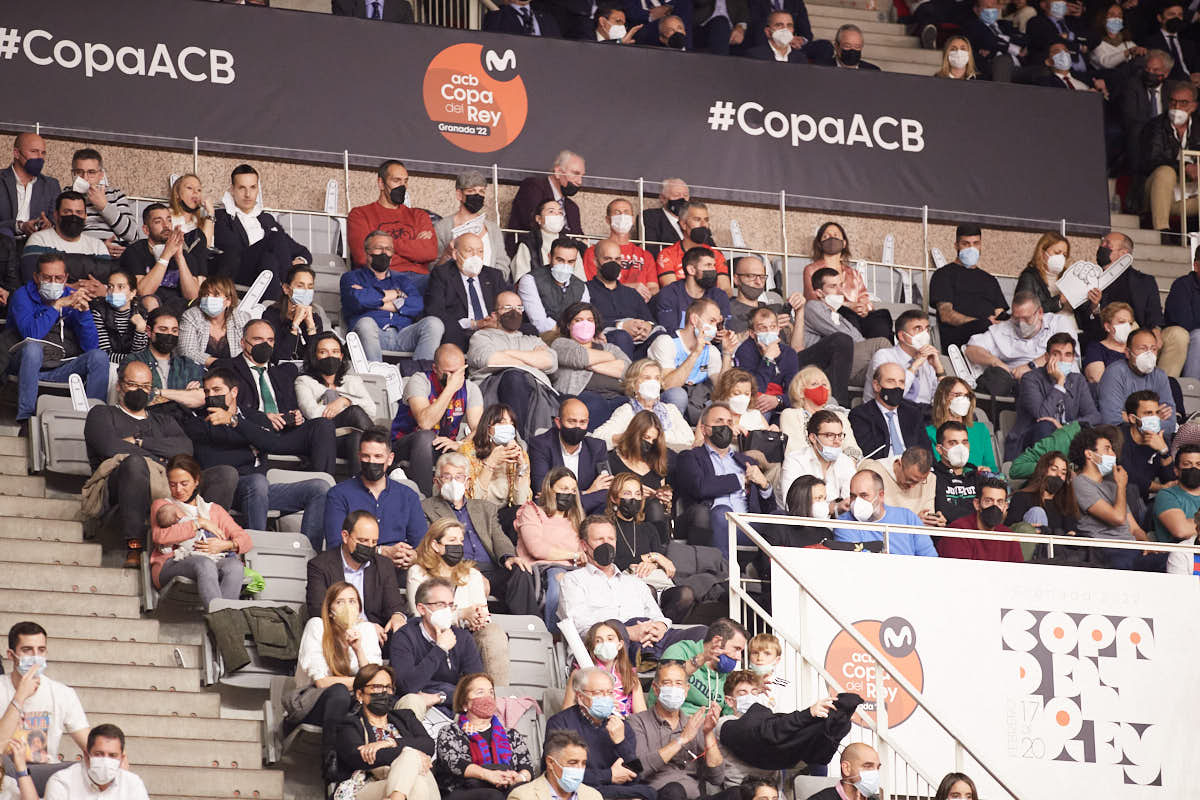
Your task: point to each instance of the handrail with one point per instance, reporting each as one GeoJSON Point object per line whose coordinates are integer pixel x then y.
{"type": "Point", "coordinates": [736, 524]}
{"type": "Point", "coordinates": [1183, 198]}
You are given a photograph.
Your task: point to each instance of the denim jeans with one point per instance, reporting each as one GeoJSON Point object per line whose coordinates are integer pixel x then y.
{"type": "Point", "coordinates": [421, 338]}
{"type": "Point", "coordinates": [255, 497]}
{"type": "Point", "coordinates": [550, 613]}
{"type": "Point", "coordinates": [92, 366]}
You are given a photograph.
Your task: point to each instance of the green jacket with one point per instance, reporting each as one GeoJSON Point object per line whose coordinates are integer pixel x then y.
{"type": "Point", "coordinates": [182, 370]}
{"type": "Point", "coordinates": [705, 685]}
{"type": "Point", "coordinates": [1060, 440]}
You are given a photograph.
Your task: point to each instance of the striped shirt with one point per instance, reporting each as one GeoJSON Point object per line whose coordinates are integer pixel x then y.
{"type": "Point", "coordinates": [114, 220]}
{"type": "Point", "coordinates": [121, 323]}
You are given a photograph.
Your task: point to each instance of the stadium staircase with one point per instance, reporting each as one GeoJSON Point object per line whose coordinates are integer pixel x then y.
{"type": "Point", "coordinates": [138, 673]}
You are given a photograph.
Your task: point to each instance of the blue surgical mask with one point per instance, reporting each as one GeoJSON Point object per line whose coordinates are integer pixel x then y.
{"type": "Point", "coordinates": [1107, 462]}
{"type": "Point", "coordinates": [117, 299]}
{"type": "Point", "coordinates": [968, 256]}
{"type": "Point", "coordinates": [1068, 367]}
{"type": "Point", "coordinates": [988, 16]}
{"type": "Point", "coordinates": [602, 706]}
{"type": "Point", "coordinates": [51, 291]}
{"type": "Point", "coordinates": [830, 454]}
{"type": "Point", "coordinates": [767, 338]}
{"type": "Point", "coordinates": [571, 777]}
{"type": "Point", "coordinates": [1062, 60]}
{"type": "Point", "coordinates": [302, 297]}
{"type": "Point", "coordinates": [1150, 424]}
{"type": "Point", "coordinates": [868, 782]}
{"type": "Point", "coordinates": [26, 663]}
{"type": "Point", "coordinates": [503, 434]}
{"type": "Point", "coordinates": [1114, 25]}
{"type": "Point", "coordinates": [725, 664]}
{"type": "Point", "coordinates": [212, 306]}
{"type": "Point", "coordinates": [1058, 9]}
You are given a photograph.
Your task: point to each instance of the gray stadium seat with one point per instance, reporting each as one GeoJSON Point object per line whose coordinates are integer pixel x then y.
{"type": "Point", "coordinates": [39, 772]}
{"type": "Point", "coordinates": [282, 559]}
{"type": "Point", "coordinates": [531, 654]}
{"type": "Point", "coordinates": [531, 725]}
{"type": "Point", "coordinates": [275, 744]}
{"type": "Point", "coordinates": [1190, 388]}
{"type": "Point", "coordinates": [318, 232]}
{"type": "Point", "coordinates": [65, 451]}
{"type": "Point", "coordinates": [329, 264]}
{"type": "Point", "coordinates": [806, 786]}
{"type": "Point", "coordinates": [257, 674]}
{"type": "Point", "coordinates": [385, 410]}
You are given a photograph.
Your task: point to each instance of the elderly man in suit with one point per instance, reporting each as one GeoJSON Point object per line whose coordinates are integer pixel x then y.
{"type": "Point", "coordinates": [386, 10]}
{"type": "Point", "coordinates": [566, 176]}
{"type": "Point", "coordinates": [889, 424]}
{"type": "Point", "coordinates": [462, 292]}
{"type": "Point", "coordinates": [26, 196]}
{"type": "Point", "coordinates": [567, 444]}
{"type": "Point", "coordinates": [357, 563]}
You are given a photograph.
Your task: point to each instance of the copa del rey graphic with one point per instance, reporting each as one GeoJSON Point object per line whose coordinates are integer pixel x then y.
{"type": "Point", "coordinates": [475, 97]}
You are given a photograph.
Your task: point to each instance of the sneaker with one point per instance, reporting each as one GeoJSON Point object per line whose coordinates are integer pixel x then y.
{"type": "Point", "coordinates": [929, 36]}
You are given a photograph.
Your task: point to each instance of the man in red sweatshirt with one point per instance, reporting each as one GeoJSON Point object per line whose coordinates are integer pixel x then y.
{"type": "Point", "coordinates": [411, 229]}
{"type": "Point", "coordinates": [991, 505]}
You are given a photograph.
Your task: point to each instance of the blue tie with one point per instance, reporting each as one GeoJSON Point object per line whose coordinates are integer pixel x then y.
{"type": "Point", "coordinates": [894, 430]}
{"type": "Point", "coordinates": [476, 308]}
{"type": "Point", "coordinates": [375, 10]}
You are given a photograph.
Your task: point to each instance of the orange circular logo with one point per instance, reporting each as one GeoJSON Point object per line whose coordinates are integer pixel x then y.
{"type": "Point", "coordinates": [475, 97]}
{"type": "Point", "coordinates": [855, 670]}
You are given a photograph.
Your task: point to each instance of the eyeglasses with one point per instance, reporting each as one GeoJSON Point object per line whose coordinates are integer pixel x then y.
{"type": "Point", "coordinates": [52, 278]}
{"type": "Point", "coordinates": [506, 309]}
{"type": "Point", "coordinates": [597, 692]}
{"type": "Point", "coordinates": [437, 606]}
{"type": "Point", "coordinates": [832, 437]}
{"type": "Point", "coordinates": [752, 277]}
{"type": "Point", "coordinates": [87, 173]}
{"type": "Point", "coordinates": [379, 688]}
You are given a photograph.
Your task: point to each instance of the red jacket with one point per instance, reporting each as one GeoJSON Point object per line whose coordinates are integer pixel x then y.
{"type": "Point", "coordinates": [413, 252]}
{"type": "Point", "coordinates": [979, 549]}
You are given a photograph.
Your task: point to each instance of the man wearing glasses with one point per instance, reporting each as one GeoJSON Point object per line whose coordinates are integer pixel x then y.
{"type": "Point", "coordinates": [751, 293]}
{"type": "Point", "coordinates": [109, 212]}
{"type": "Point", "coordinates": [821, 457]}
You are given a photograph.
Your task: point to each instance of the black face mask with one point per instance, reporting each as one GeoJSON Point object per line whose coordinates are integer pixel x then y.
{"type": "Point", "coordinates": [261, 352]}
{"type": "Point", "coordinates": [1190, 478]}
{"type": "Point", "coordinates": [473, 203]}
{"type": "Point", "coordinates": [676, 41]}
{"type": "Point", "coordinates": [707, 279]}
{"type": "Point", "coordinates": [649, 448]}
{"type": "Point", "coordinates": [699, 235]}
{"type": "Point", "coordinates": [380, 704]}
{"type": "Point", "coordinates": [372, 470]}
{"type": "Point", "coordinates": [380, 262]}
{"type": "Point", "coordinates": [572, 436]}
{"type": "Point", "coordinates": [215, 401]}
{"type": "Point", "coordinates": [851, 57]}
{"type": "Point", "coordinates": [750, 292]}
{"type": "Point", "coordinates": [721, 436]}
{"type": "Point", "coordinates": [628, 507]}
{"type": "Point", "coordinates": [564, 501]}
{"type": "Point", "coordinates": [328, 365]}
{"type": "Point", "coordinates": [891, 397]}
{"type": "Point", "coordinates": [1054, 484]}
{"type": "Point", "coordinates": [453, 554]}
{"type": "Point", "coordinates": [1175, 25]}
{"type": "Point", "coordinates": [511, 321]}
{"type": "Point", "coordinates": [1103, 255]}
{"type": "Point", "coordinates": [832, 246]}
{"type": "Point", "coordinates": [363, 554]}
{"type": "Point", "coordinates": [604, 554]}
{"type": "Point", "coordinates": [1150, 80]}
{"type": "Point", "coordinates": [71, 225]}
{"type": "Point", "coordinates": [189, 209]}
{"type": "Point", "coordinates": [991, 516]}
{"type": "Point", "coordinates": [610, 270]}
{"type": "Point", "coordinates": [136, 399]}
{"type": "Point", "coordinates": [570, 189]}
{"type": "Point", "coordinates": [676, 206]}
{"type": "Point", "coordinates": [165, 342]}
{"type": "Point", "coordinates": [396, 194]}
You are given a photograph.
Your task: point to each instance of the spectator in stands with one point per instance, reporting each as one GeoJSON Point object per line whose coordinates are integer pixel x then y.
{"type": "Point", "coordinates": [413, 241]}
{"type": "Point", "coordinates": [742, 691]}
{"type": "Point", "coordinates": [1059, 62]}
{"type": "Point", "coordinates": [889, 425]}
{"type": "Point", "coordinates": [1144, 451]}
{"type": "Point", "coordinates": [705, 663]}
{"type": "Point", "coordinates": [609, 24]}
{"type": "Point", "coordinates": [859, 780]}
{"type": "Point", "coordinates": [120, 330]}
{"type": "Point", "coordinates": [695, 356]}
{"type": "Point", "coordinates": [866, 494]}
{"type": "Point", "coordinates": [770, 361]}
{"type": "Point", "coordinates": [563, 182]}
{"type": "Point", "coordinates": [717, 29]}
{"type": "Point", "coordinates": [190, 209]}
{"type": "Point", "coordinates": [589, 367]}
{"type": "Point", "coordinates": [678, 750]}
{"type": "Point", "coordinates": [643, 387]}
{"type": "Point", "coordinates": [915, 352]}
{"type": "Point", "coordinates": [463, 292]}
{"type": "Point", "coordinates": [1182, 313]}
{"type": "Point", "coordinates": [327, 390]}
{"type": "Point", "coordinates": [478, 758]}
{"type": "Point", "coordinates": [432, 411]}
{"type": "Point", "coordinates": [213, 328]}
{"type": "Point", "coordinates": [738, 389]}
{"type": "Point", "coordinates": [662, 224]}
{"type": "Point", "coordinates": [521, 18]}
{"type": "Point", "coordinates": [534, 248]}
{"type": "Point", "coordinates": [176, 379]}
{"type": "Point", "coordinates": [440, 554]}
{"type": "Point", "coordinates": [549, 290]}
{"type": "Point", "coordinates": [826, 318]}
{"type": "Point", "coordinates": [336, 643]}
{"type": "Point", "coordinates": [1046, 501]}
{"type": "Point", "coordinates": [42, 703]}
{"type": "Point", "coordinates": [1114, 46]}
{"type": "Point", "coordinates": [294, 316]}
{"type": "Point", "coordinates": [1010, 349]}
{"type": "Point", "coordinates": [750, 281]}
{"type": "Point", "coordinates": [1175, 506]}
{"type": "Point", "coordinates": [673, 260]}
{"type": "Point", "coordinates": [968, 300]}
{"type": "Point", "coordinates": [955, 473]}
{"type": "Point", "coordinates": [1167, 37]}
{"type": "Point", "coordinates": [823, 456]}
{"type": "Point", "coordinates": [102, 771]}
{"type": "Point", "coordinates": [1132, 286]}
{"type": "Point", "coordinates": [991, 505]}
{"type": "Point", "coordinates": [169, 265]}
{"type": "Point", "coordinates": [782, 43]}
{"type": "Point", "coordinates": [1100, 490]}
{"type": "Point", "coordinates": [87, 259]}
{"type": "Point", "coordinates": [699, 273]}
{"type": "Point", "coordinates": [907, 482]}
{"type": "Point", "coordinates": [672, 33]}
{"type": "Point", "coordinates": [567, 444]}
{"type": "Point", "coordinates": [548, 534]}
{"type": "Point", "coordinates": [1050, 257]}
{"type": "Point", "coordinates": [1142, 98]}
{"type": "Point", "coordinates": [1117, 321]}
{"type": "Point", "coordinates": [563, 750]}
{"type": "Point", "coordinates": [383, 739]}
{"type": "Point", "coordinates": [847, 50]}
{"type": "Point", "coordinates": [195, 539]}
{"type": "Point", "coordinates": [248, 239]}
{"type": "Point", "coordinates": [430, 653]}
{"type": "Point", "coordinates": [809, 392]}
{"type": "Point", "coordinates": [355, 560]}
{"type": "Point", "coordinates": [715, 479]}
{"type": "Point", "coordinates": [384, 306]}
{"type": "Point", "coordinates": [956, 786]}
{"type": "Point", "coordinates": [1050, 396]}
{"type": "Point", "coordinates": [1136, 373]}
{"type": "Point", "coordinates": [27, 197]}
{"type": "Point", "coordinates": [386, 10]}
{"type": "Point", "coordinates": [958, 60]}
{"type": "Point", "coordinates": [144, 441]}
{"type": "Point", "coordinates": [630, 324]}
{"type": "Point", "coordinates": [499, 464]}
{"type": "Point", "coordinates": [470, 188]}
{"type": "Point", "coordinates": [636, 267]}
{"type": "Point", "coordinates": [642, 545]}
{"type": "Point", "coordinates": [109, 211]}
{"type": "Point", "coordinates": [997, 43]}
{"type": "Point", "coordinates": [1056, 23]}
{"type": "Point", "coordinates": [606, 645]}
{"type": "Point", "coordinates": [397, 507]}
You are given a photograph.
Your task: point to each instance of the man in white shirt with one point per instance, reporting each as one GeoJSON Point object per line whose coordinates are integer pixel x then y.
{"type": "Point", "coordinates": [1009, 349]}
{"type": "Point", "coordinates": [26, 195]}
{"type": "Point", "coordinates": [103, 772]}
{"type": "Point", "coordinates": [822, 458]}
{"type": "Point", "coordinates": [915, 352]}
{"type": "Point", "coordinates": [52, 708]}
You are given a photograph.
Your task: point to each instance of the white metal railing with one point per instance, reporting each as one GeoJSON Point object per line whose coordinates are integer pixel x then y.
{"type": "Point", "coordinates": [907, 777]}
{"type": "Point", "coordinates": [1182, 188]}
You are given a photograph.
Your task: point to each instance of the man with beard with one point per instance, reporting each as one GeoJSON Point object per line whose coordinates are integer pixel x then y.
{"type": "Point", "coordinates": [169, 265]}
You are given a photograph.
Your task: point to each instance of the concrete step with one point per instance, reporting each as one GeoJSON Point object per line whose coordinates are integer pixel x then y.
{"type": "Point", "coordinates": [123, 676]}
{"type": "Point", "coordinates": [14, 464]}
{"type": "Point", "coordinates": [1162, 269]}
{"type": "Point", "coordinates": [879, 53]}
{"type": "Point", "coordinates": [47, 530]}
{"type": "Point", "coordinates": [99, 629]}
{"type": "Point", "coordinates": [1159, 252]}
{"type": "Point", "coordinates": [214, 753]}
{"type": "Point", "coordinates": [898, 39]}
{"type": "Point", "coordinates": [29, 603]}
{"type": "Point", "coordinates": [24, 486]}
{"type": "Point", "coordinates": [98, 702]}
{"type": "Point", "coordinates": [201, 729]}
{"type": "Point", "coordinates": [1141, 236]}
{"type": "Point", "coordinates": [14, 446]}
{"type": "Point", "coordinates": [147, 654]}
{"type": "Point", "coordinates": [265, 784]}
{"type": "Point", "coordinates": [79, 554]}
{"type": "Point", "coordinates": [33, 508]}
{"type": "Point", "coordinates": [1125, 221]}
{"type": "Point", "coordinates": [845, 13]}
{"type": "Point", "coordinates": [81, 580]}
{"type": "Point", "coordinates": [905, 67]}
{"type": "Point", "coordinates": [831, 20]}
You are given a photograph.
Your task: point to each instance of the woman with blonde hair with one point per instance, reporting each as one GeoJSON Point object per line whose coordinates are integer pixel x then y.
{"type": "Point", "coordinates": [1117, 319]}
{"type": "Point", "coordinates": [954, 400]}
{"type": "Point", "coordinates": [958, 61]}
{"type": "Point", "coordinates": [1051, 255]}
{"type": "Point", "coordinates": [810, 392]}
{"type": "Point", "coordinates": [643, 387]}
{"type": "Point", "coordinates": [213, 327]}
{"type": "Point", "coordinates": [440, 555]}
{"type": "Point", "coordinates": [190, 209]}
{"type": "Point", "coordinates": [548, 533]}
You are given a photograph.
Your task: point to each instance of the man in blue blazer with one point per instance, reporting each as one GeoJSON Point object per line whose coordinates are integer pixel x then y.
{"type": "Point", "coordinates": [714, 480]}
{"type": "Point", "coordinates": [567, 444]}
{"type": "Point", "coordinates": [29, 156]}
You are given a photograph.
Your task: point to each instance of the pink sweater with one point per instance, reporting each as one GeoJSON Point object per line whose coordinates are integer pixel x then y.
{"type": "Point", "coordinates": [185, 530]}
{"type": "Point", "coordinates": [538, 535]}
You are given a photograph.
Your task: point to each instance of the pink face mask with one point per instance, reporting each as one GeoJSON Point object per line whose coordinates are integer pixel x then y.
{"type": "Point", "coordinates": [583, 331]}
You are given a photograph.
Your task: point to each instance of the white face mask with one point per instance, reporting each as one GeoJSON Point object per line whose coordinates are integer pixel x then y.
{"type": "Point", "coordinates": [957, 455]}
{"type": "Point", "coordinates": [706, 332]}
{"type": "Point", "coordinates": [650, 389]}
{"type": "Point", "coordinates": [607, 651]}
{"type": "Point", "coordinates": [554, 223]}
{"type": "Point", "coordinates": [1145, 361]}
{"type": "Point", "coordinates": [920, 340]}
{"type": "Point", "coordinates": [442, 619]}
{"type": "Point", "coordinates": [472, 266]}
{"type": "Point", "coordinates": [453, 491]}
{"type": "Point", "coordinates": [1055, 263]}
{"type": "Point", "coordinates": [562, 273]}
{"type": "Point", "coordinates": [782, 36]}
{"type": "Point", "coordinates": [616, 32]}
{"type": "Point", "coordinates": [103, 770]}
{"type": "Point", "coordinates": [1178, 116]}
{"type": "Point", "coordinates": [868, 782]}
{"type": "Point", "coordinates": [820, 509]}
{"type": "Point", "coordinates": [834, 301]}
{"type": "Point", "coordinates": [621, 223]}
{"type": "Point", "coordinates": [958, 58]}
{"type": "Point", "coordinates": [739, 403]}
{"type": "Point", "coordinates": [1122, 330]}
{"type": "Point", "coordinates": [672, 697]}
{"type": "Point", "coordinates": [745, 701]}
{"type": "Point", "coordinates": [862, 509]}
{"type": "Point", "coordinates": [959, 406]}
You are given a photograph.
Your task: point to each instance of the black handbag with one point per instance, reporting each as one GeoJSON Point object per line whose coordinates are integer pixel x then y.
{"type": "Point", "coordinates": [772, 444]}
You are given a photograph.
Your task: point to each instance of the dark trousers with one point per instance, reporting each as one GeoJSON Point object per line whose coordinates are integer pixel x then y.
{"type": "Point", "coordinates": [600, 406]}
{"type": "Point", "coordinates": [1134, 560]}
{"type": "Point", "coordinates": [347, 444]}
{"type": "Point", "coordinates": [313, 440]}
{"type": "Point", "coordinates": [516, 390]}
{"type": "Point", "coordinates": [834, 355]}
{"type": "Point", "coordinates": [706, 526]}
{"type": "Point", "coordinates": [626, 791]}
{"type": "Point", "coordinates": [713, 36]}
{"type": "Point", "coordinates": [273, 253]}
{"type": "Point", "coordinates": [481, 793]}
{"type": "Point", "coordinates": [332, 707]}
{"type": "Point", "coordinates": [959, 334]}
{"type": "Point", "coordinates": [515, 588]}
{"type": "Point", "coordinates": [415, 450]}
{"type": "Point", "coordinates": [129, 491]}
{"type": "Point", "coordinates": [656, 650]}
{"type": "Point", "coordinates": [635, 350]}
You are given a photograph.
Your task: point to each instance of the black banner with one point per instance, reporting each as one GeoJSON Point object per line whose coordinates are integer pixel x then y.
{"type": "Point", "coordinates": [282, 83]}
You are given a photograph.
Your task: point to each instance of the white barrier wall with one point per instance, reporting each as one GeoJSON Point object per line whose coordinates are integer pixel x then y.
{"type": "Point", "coordinates": [1067, 681]}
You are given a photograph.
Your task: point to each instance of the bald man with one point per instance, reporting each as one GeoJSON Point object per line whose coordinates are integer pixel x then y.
{"type": "Point", "coordinates": [859, 775]}
{"type": "Point", "coordinates": [462, 292]}
{"type": "Point", "coordinates": [867, 505]}
{"type": "Point", "coordinates": [27, 196]}
{"type": "Point", "coordinates": [888, 425]}
{"type": "Point", "coordinates": [567, 444]}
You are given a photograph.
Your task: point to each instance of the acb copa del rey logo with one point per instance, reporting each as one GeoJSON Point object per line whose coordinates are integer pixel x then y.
{"type": "Point", "coordinates": [475, 97]}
